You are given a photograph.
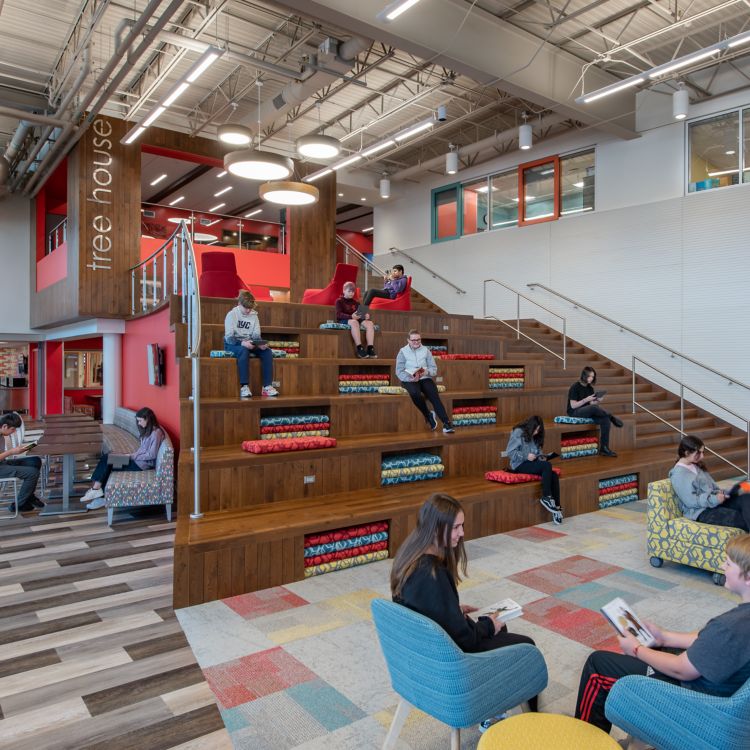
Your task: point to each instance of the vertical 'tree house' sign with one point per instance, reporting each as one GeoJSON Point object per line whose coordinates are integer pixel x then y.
{"type": "Point", "coordinates": [109, 198]}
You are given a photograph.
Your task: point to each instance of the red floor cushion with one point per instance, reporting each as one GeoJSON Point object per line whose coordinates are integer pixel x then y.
{"type": "Point", "coordinates": [288, 444]}
{"type": "Point", "coordinates": [510, 477]}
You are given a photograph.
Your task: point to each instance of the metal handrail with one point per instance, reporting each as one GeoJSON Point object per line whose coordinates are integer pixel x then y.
{"type": "Point", "coordinates": [183, 280]}
{"type": "Point", "coordinates": [681, 429]}
{"type": "Point", "coordinates": [362, 259]}
{"type": "Point", "coordinates": [517, 329]}
{"type": "Point", "coordinates": [432, 273]}
{"type": "Point", "coordinates": [623, 327]}
{"type": "Point", "coordinates": [54, 234]}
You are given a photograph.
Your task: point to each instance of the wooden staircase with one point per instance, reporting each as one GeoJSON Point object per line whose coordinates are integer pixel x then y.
{"type": "Point", "coordinates": [258, 508]}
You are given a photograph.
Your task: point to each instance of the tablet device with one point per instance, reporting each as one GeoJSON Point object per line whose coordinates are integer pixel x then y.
{"type": "Point", "coordinates": [29, 446]}
{"type": "Point", "coordinates": [362, 311]}
{"type": "Point", "coordinates": [259, 342]}
{"type": "Point", "coordinates": [118, 460]}
{"type": "Point", "coordinates": [600, 395]}
{"type": "Point", "coordinates": [550, 456]}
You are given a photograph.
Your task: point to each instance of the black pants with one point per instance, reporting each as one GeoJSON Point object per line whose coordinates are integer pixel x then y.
{"type": "Point", "coordinates": [420, 389]}
{"type": "Point", "coordinates": [600, 672]}
{"type": "Point", "coordinates": [504, 638]}
{"type": "Point", "coordinates": [371, 293]}
{"type": "Point", "coordinates": [24, 469]}
{"type": "Point", "coordinates": [550, 480]}
{"type": "Point", "coordinates": [600, 416]}
{"type": "Point", "coordinates": [734, 512]}
{"type": "Point", "coordinates": [104, 469]}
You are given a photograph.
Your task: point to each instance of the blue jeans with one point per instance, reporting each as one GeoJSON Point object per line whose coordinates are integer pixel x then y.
{"type": "Point", "coordinates": [104, 469]}
{"type": "Point", "coordinates": [243, 355]}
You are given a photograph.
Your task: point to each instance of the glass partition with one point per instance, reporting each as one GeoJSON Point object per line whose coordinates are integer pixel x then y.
{"type": "Point", "coordinates": [504, 199]}
{"type": "Point", "coordinates": [445, 213]}
{"type": "Point", "coordinates": [539, 196]}
{"type": "Point", "coordinates": [714, 152]}
{"type": "Point", "coordinates": [476, 206]}
{"type": "Point", "coordinates": [577, 173]}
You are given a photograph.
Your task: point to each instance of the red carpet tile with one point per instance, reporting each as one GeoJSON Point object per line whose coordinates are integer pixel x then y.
{"type": "Point", "coordinates": [563, 574]}
{"type": "Point", "coordinates": [266, 602]}
{"type": "Point", "coordinates": [535, 534]}
{"type": "Point", "coordinates": [251, 677]}
{"type": "Point", "coordinates": [574, 622]}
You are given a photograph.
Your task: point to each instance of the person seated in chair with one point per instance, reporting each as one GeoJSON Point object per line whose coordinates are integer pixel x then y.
{"type": "Point", "coordinates": [583, 402]}
{"type": "Point", "coordinates": [395, 283]}
{"type": "Point", "coordinates": [144, 458]}
{"type": "Point", "coordinates": [714, 660]}
{"type": "Point", "coordinates": [241, 332]}
{"type": "Point", "coordinates": [416, 368]}
{"type": "Point", "coordinates": [699, 497]}
{"type": "Point", "coordinates": [526, 456]}
{"type": "Point", "coordinates": [347, 312]}
{"type": "Point", "coordinates": [24, 469]}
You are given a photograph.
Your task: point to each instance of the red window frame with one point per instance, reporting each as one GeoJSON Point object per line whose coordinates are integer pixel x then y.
{"type": "Point", "coordinates": [555, 162]}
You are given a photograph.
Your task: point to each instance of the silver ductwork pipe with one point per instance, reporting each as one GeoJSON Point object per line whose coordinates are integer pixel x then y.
{"type": "Point", "coordinates": [474, 148]}
{"type": "Point", "coordinates": [104, 87]}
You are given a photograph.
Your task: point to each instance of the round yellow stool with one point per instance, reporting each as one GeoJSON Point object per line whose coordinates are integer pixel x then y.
{"type": "Point", "coordinates": [533, 731]}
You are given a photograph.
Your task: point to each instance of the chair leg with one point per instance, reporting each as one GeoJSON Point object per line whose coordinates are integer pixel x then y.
{"type": "Point", "coordinates": [169, 511]}
{"type": "Point", "coordinates": [635, 744]}
{"type": "Point", "coordinates": [110, 516]}
{"type": "Point", "coordinates": [455, 738]}
{"type": "Point", "coordinates": [399, 719]}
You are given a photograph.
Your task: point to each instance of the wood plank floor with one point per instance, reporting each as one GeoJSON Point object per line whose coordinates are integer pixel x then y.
{"type": "Point", "coordinates": [91, 654]}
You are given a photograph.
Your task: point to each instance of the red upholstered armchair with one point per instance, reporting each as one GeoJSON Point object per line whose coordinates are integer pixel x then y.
{"type": "Point", "coordinates": [219, 278]}
{"type": "Point", "coordinates": [401, 302]}
{"type": "Point", "coordinates": [329, 294]}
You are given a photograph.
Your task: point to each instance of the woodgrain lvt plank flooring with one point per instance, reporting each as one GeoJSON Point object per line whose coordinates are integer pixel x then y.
{"type": "Point", "coordinates": [91, 654]}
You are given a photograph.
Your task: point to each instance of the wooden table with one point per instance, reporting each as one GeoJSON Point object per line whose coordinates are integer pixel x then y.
{"type": "Point", "coordinates": [67, 435]}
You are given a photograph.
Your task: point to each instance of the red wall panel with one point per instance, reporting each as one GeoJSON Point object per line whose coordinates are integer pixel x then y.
{"type": "Point", "coordinates": [53, 361]}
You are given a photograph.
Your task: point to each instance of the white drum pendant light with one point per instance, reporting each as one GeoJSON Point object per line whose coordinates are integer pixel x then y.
{"type": "Point", "coordinates": [289, 193]}
{"type": "Point", "coordinates": [385, 188]}
{"type": "Point", "coordinates": [525, 136]}
{"type": "Point", "coordinates": [680, 103]}
{"type": "Point", "coordinates": [318, 146]}
{"type": "Point", "coordinates": [235, 135]}
{"type": "Point", "coordinates": [258, 165]}
{"type": "Point", "coordinates": [451, 160]}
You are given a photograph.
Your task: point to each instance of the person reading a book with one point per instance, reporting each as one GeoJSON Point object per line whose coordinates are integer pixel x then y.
{"type": "Point", "coordinates": [242, 337]}
{"type": "Point", "coordinates": [151, 435]}
{"type": "Point", "coordinates": [714, 660]}
{"type": "Point", "coordinates": [394, 284]}
{"type": "Point", "coordinates": [348, 311]}
{"type": "Point", "coordinates": [583, 401]}
{"type": "Point", "coordinates": [27, 472]}
{"type": "Point", "coordinates": [526, 455]}
{"type": "Point", "coordinates": [699, 497]}
{"type": "Point", "coordinates": [416, 368]}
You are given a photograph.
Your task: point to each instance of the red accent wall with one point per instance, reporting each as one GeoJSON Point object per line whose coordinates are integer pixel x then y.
{"type": "Point", "coordinates": [53, 361]}
{"type": "Point", "coordinates": [362, 242]}
{"type": "Point", "coordinates": [253, 267]}
{"type": "Point", "coordinates": [52, 268]}
{"type": "Point", "coordinates": [447, 224]}
{"type": "Point", "coordinates": [136, 392]}
{"type": "Point", "coordinates": [33, 359]}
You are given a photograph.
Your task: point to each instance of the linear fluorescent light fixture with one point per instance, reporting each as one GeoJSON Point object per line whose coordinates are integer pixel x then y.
{"type": "Point", "coordinates": [216, 207]}
{"type": "Point", "coordinates": [158, 179]}
{"type": "Point", "coordinates": [221, 192]}
{"type": "Point", "coordinates": [253, 213]}
{"type": "Point", "coordinates": [723, 171]}
{"type": "Point", "coordinates": [394, 10]}
{"type": "Point", "coordinates": [413, 130]}
{"type": "Point", "coordinates": [346, 162]}
{"type": "Point", "coordinates": [682, 62]}
{"type": "Point", "coordinates": [177, 200]}
{"type": "Point", "coordinates": [377, 148]}
{"type": "Point", "coordinates": [612, 89]}
{"type": "Point", "coordinates": [317, 175]}
{"type": "Point", "coordinates": [183, 84]}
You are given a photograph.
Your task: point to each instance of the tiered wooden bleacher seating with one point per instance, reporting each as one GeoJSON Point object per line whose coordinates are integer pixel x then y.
{"type": "Point", "coordinates": [258, 508]}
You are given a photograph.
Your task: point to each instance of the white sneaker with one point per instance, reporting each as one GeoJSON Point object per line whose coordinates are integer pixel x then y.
{"type": "Point", "coordinates": [92, 494]}
{"type": "Point", "coordinates": [245, 392]}
{"type": "Point", "coordinates": [269, 390]}
{"type": "Point", "coordinates": [97, 503]}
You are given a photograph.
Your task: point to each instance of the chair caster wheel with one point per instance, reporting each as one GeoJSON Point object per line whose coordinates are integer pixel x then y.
{"type": "Point", "coordinates": [719, 579]}
{"type": "Point", "coordinates": [656, 562]}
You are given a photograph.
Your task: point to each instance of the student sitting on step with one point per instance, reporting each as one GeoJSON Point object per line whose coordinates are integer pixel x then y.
{"type": "Point", "coordinates": [143, 459]}
{"type": "Point", "coordinates": [241, 331]}
{"type": "Point", "coordinates": [25, 470]}
{"type": "Point", "coordinates": [416, 368]}
{"type": "Point", "coordinates": [700, 498]}
{"type": "Point", "coordinates": [395, 283]}
{"type": "Point", "coordinates": [347, 312]}
{"type": "Point", "coordinates": [526, 456]}
{"type": "Point", "coordinates": [583, 402]}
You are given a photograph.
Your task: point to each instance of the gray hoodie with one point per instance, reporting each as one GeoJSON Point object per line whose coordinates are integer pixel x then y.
{"type": "Point", "coordinates": [695, 490]}
{"type": "Point", "coordinates": [240, 326]}
{"type": "Point", "coordinates": [409, 359]}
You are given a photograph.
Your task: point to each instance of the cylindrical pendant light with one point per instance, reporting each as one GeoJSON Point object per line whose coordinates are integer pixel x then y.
{"type": "Point", "coordinates": [236, 135]}
{"type": "Point", "coordinates": [525, 136]}
{"type": "Point", "coordinates": [680, 103]}
{"type": "Point", "coordinates": [385, 188]}
{"type": "Point", "coordinates": [318, 146]}
{"type": "Point", "coordinates": [451, 161]}
{"type": "Point", "coordinates": [289, 193]}
{"type": "Point", "coordinates": [258, 165]}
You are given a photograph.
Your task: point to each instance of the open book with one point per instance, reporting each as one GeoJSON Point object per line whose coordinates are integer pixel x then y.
{"type": "Point", "coordinates": [624, 620]}
{"type": "Point", "coordinates": [506, 609]}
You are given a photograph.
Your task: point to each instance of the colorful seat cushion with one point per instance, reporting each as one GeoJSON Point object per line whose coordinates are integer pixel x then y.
{"type": "Point", "coordinates": [443, 355]}
{"type": "Point", "coordinates": [510, 477]}
{"type": "Point", "coordinates": [288, 444]}
{"type": "Point", "coordinates": [293, 419]}
{"type": "Point", "coordinates": [349, 562]}
{"type": "Point", "coordinates": [342, 326]}
{"type": "Point", "coordinates": [350, 532]}
{"type": "Point", "coordinates": [573, 420]}
{"type": "Point", "coordinates": [397, 390]}
{"type": "Point", "coordinates": [221, 354]}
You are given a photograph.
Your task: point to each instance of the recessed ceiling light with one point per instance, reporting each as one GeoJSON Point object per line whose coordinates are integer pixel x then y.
{"type": "Point", "coordinates": [367, 229]}
{"type": "Point", "coordinates": [222, 174]}
{"type": "Point", "coordinates": [341, 195]}
{"type": "Point", "coordinates": [221, 192]}
{"type": "Point", "coordinates": [578, 184]}
{"type": "Point", "coordinates": [217, 207]}
{"type": "Point", "coordinates": [164, 177]}
{"type": "Point", "coordinates": [177, 200]}
{"type": "Point", "coordinates": [731, 152]}
{"type": "Point", "coordinates": [363, 199]}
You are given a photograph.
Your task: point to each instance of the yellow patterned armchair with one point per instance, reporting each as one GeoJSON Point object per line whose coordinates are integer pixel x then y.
{"type": "Point", "coordinates": [678, 539]}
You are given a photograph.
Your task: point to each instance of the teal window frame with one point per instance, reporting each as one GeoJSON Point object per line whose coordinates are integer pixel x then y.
{"type": "Point", "coordinates": [459, 211]}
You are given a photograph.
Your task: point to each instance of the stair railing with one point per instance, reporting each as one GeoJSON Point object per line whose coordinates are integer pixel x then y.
{"type": "Point", "coordinates": [564, 356]}
{"type": "Point", "coordinates": [172, 269]}
{"type": "Point", "coordinates": [355, 257]}
{"type": "Point", "coordinates": [681, 429]}
{"type": "Point", "coordinates": [432, 273]}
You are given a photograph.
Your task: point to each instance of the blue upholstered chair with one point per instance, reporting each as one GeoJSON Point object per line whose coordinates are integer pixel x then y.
{"type": "Point", "coordinates": [431, 673]}
{"type": "Point", "coordinates": [670, 717]}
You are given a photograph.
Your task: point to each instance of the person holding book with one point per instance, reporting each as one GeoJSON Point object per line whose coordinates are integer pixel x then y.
{"type": "Point", "coordinates": [416, 368]}
{"type": "Point", "coordinates": [347, 311]}
{"type": "Point", "coordinates": [395, 283]}
{"type": "Point", "coordinates": [583, 401]}
{"type": "Point", "coordinates": [526, 455]}
{"type": "Point", "coordinates": [714, 660]}
{"type": "Point", "coordinates": [27, 472]}
{"type": "Point", "coordinates": [242, 337]}
{"type": "Point", "coordinates": [144, 458]}
{"type": "Point", "coordinates": [699, 497]}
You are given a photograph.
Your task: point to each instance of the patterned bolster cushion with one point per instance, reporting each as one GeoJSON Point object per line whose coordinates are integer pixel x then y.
{"type": "Point", "coordinates": [288, 444]}
{"type": "Point", "coordinates": [278, 354]}
{"type": "Point", "coordinates": [345, 553]}
{"type": "Point", "coordinates": [474, 409]}
{"type": "Point", "coordinates": [349, 562]}
{"type": "Point", "coordinates": [410, 459]}
{"type": "Point", "coordinates": [397, 390]}
{"type": "Point", "coordinates": [467, 356]}
{"type": "Point", "coordinates": [357, 541]}
{"type": "Point", "coordinates": [350, 532]}
{"type": "Point", "coordinates": [573, 420]}
{"type": "Point", "coordinates": [221, 354]}
{"type": "Point", "coordinates": [568, 442]}
{"type": "Point", "coordinates": [293, 419]}
{"type": "Point", "coordinates": [342, 326]}
{"type": "Point", "coordinates": [510, 477]}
